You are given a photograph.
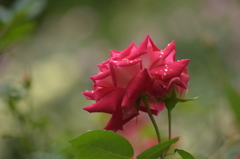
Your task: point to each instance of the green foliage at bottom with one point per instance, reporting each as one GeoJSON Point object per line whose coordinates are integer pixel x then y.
{"type": "Point", "coordinates": [157, 150]}
{"type": "Point", "coordinates": [102, 144]}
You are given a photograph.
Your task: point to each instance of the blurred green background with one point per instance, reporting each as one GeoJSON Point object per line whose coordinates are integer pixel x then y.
{"type": "Point", "coordinates": [49, 48]}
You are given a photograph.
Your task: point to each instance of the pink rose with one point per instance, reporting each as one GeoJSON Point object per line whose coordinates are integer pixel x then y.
{"type": "Point", "coordinates": [134, 71]}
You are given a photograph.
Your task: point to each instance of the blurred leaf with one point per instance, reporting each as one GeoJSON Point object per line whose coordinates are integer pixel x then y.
{"type": "Point", "coordinates": [184, 154]}
{"type": "Point", "coordinates": [17, 21]}
{"type": "Point", "coordinates": [15, 32]}
{"type": "Point", "coordinates": [12, 91]}
{"type": "Point", "coordinates": [102, 144]}
{"type": "Point", "coordinates": [157, 150]}
{"type": "Point", "coordinates": [186, 100]}
{"type": "Point", "coordinates": [40, 123]}
{"type": "Point", "coordinates": [5, 14]}
{"type": "Point", "coordinates": [234, 100]}
{"type": "Point", "coordinates": [30, 8]}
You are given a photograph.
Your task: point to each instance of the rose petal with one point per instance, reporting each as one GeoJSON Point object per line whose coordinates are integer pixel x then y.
{"type": "Point", "coordinates": [171, 47]}
{"type": "Point", "coordinates": [170, 58]}
{"type": "Point", "coordinates": [116, 122]}
{"type": "Point", "coordinates": [103, 79]}
{"type": "Point", "coordinates": [123, 71]}
{"type": "Point", "coordinates": [154, 47]}
{"type": "Point", "coordinates": [115, 54]}
{"type": "Point", "coordinates": [129, 115]}
{"type": "Point", "coordinates": [118, 119]}
{"type": "Point", "coordinates": [108, 104]}
{"type": "Point", "coordinates": [134, 88]}
{"type": "Point", "coordinates": [125, 53]}
{"type": "Point", "coordinates": [170, 70]}
{"type": "Point", "coordinates": [142, 49]}
{"type": "Point", "coordinates": [156, 89]}
{"type": "Point", "coordinates": [184, 78]}
{"type": "Point", "coordinates": [104, 66]}
{"type": "Point", "coordinates": [89, 95]}
{"type": "Point", "coordinates": [98, 93]}
{"type": "Point", "coordinates": [167, 83]}
{"type": "Point", "coordinates": [149, 58]}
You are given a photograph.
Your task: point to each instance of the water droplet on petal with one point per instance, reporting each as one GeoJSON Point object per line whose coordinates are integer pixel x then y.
{"type": "Point", "coordinates": [165, 69]}
{"type": "Point", "coordinates": [125, 59]}
{"type": "Point", "coordinates": [164, 74]}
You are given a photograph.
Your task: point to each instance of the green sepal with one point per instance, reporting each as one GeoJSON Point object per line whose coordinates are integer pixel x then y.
{"type": "Point", "coordinates": [186, 100]}
{"type": "Point", "coordinates": [170, 103]}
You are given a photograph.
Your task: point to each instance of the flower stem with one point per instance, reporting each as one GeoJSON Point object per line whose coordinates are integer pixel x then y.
{"type": "Point", "coordinates": [144, 98]}
{"type": "Point", "coordinates": [169, 110]}
{"type": "Point", "coordinates": [169, 124]}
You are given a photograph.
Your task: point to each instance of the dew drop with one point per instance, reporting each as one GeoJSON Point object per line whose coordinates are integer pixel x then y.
{"type": "Point", "coordinates": [161, 52]}
{"type": "Point", "coordinates": [164, 74]}
{"type": "Point", "coordinates": [165, 69]}
{"type": "Point", "coordinates": [125, 59]}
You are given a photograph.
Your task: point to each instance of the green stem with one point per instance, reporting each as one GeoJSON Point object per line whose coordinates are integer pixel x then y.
{"type": "Point", "coordinates": [169, 125]}
{"type": "Point", "coordinates": [169, 130]}
{"type": "Point", "coordinates": [144, 98]}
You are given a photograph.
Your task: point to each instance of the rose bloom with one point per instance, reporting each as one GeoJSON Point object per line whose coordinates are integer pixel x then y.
{"type": "Point", "coordinates": [127, 74]}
